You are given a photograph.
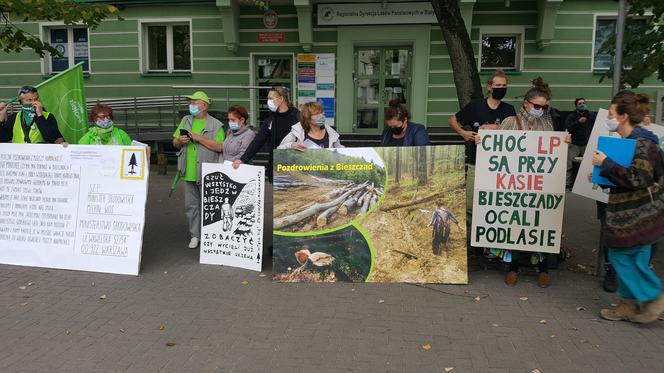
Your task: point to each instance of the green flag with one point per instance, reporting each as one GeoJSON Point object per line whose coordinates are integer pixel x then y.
{"type": "Point", "coordinates": [64, 96]}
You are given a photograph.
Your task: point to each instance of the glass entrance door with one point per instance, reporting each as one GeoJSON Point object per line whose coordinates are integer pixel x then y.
{"type": "Point", "coordinates": [272, 71]}
{"type": "Point", "coordinates": [381, 74]}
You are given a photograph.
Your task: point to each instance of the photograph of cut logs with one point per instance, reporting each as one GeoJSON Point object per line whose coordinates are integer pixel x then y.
{"type": "Point", "coordinates": [342, 255]}
{"type": "Point", "coordinates": [323, 189]}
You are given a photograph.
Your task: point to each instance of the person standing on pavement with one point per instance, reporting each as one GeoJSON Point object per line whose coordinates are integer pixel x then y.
{"type": "Point", "coordinates": [199, 138]}
{"type": "Point", "coordinates": [239, 135]}
{"type": "Point", "coordinates": [634, 212]}
{"type": "Point", "coordinates": [274, 128]}
{"type": "Point", "coordinates": [103, 132]}
{"type": "Point", "coordinates": [482, 114]}
{"type": "Point", "coordinates": [31, 125]}
{"type": "Point", "coordinates": [579, 124]}
{"type": "Point", "coordinates": [399, 130]}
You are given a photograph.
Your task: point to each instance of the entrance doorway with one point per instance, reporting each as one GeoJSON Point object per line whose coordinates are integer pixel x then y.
{"type": "Point", "coordinates": [271, 71]}
{"type": "Point", "coordinates": [380, 75]}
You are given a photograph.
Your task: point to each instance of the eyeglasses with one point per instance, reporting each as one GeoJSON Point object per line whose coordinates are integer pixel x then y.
{"type": "Point", "coordinates": [538, 106]}
{"type": "Point", "coordinates": [101, 117]}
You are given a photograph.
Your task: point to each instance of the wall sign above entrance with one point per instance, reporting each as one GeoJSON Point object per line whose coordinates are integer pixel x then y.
{"type": "Point", "coordinates": [375, 14]}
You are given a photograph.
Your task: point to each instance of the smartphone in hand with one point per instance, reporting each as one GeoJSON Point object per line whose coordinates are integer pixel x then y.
{"type": "Point", "coordinates": [184, 132]}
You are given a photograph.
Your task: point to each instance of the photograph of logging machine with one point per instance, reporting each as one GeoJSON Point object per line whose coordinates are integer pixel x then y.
{"type": "Point", "coordinates": [370, 215]}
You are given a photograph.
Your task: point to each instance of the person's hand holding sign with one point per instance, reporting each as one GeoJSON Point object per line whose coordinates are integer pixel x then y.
{"type": "Point", "coordinates": [297, 145]}
{"type": "Point", "coordinates": [598, 158]}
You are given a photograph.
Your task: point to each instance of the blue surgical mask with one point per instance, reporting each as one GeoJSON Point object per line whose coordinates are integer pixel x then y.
{"type": "Point", "coordinates": [194, 110]}
{"type": "Point", "coordinates": [536, 113]}
{"type": "Point", "coordinates": [612, 124]}
{"type": "Point", "coordinates": [234, 126]}
{"type": "Point", "coordinates": [320, 121]}
{"type": "Point", "coordinates": [104, 123]}
{"type": "Point", "coordinates": [582, 107]}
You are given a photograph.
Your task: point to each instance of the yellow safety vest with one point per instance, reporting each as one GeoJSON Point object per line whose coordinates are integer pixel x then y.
{"type": "Point", "coordinates": [34, 135]}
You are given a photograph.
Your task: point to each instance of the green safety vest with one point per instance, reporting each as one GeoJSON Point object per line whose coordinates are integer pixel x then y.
{"type": "Point", "coordinates": [34, 134]}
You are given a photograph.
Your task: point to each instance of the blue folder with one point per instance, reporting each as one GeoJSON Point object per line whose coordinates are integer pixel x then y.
{"type": "Point", "coordinates": [619, 150]}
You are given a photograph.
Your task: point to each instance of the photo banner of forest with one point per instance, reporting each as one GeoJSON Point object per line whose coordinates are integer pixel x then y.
{"type": "Point", "coordinates": [370, 214]}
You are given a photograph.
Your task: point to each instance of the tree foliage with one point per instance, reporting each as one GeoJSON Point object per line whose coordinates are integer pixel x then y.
{"type": "Point", "coordinates": [13, 39]}
{"type": "Point", "coordinates": [643, 49]}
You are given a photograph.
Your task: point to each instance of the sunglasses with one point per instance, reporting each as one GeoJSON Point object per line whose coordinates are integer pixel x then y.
{"type": "Point", "coordinates": [538, 106]}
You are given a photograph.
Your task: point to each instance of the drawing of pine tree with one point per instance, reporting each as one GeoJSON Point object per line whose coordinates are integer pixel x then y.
{"type": "Point", "coordinates": [132, 164]}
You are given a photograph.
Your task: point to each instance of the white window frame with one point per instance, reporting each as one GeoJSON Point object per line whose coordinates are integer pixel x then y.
{"type": "Point", "coordinates": [518, 31]}
{"type": "Point", "coordinates": [143, 44]}
{"type": "Point", "coordinates": [45, 34]}
{"type": "Point", "coordinates": [610, 16]}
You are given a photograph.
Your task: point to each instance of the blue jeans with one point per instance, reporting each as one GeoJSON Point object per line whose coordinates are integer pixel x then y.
{"type": "Point", "coordinates": [635, 278]}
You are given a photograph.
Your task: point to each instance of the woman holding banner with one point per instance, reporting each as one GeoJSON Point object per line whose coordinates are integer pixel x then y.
{"type": "Point", "coordinates": [103, 132]}
{"type": "Point", "coordinates": [311, 131]}
{"type": "Point", "coordinates": [634, 213]}
{"type": "Point", "coordinates": [533, 116]}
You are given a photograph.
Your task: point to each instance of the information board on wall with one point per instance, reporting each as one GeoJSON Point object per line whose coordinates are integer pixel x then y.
{"type": "Point", "coordinates": [232, 215]}
{"type": "Point", "coordinates": [316, 82]}
{"type": "Point", "coordinates": [519, 194]}
{"type": "Point", "coordinates": [80, 207]}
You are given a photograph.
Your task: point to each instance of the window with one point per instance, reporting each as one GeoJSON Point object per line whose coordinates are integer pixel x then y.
{"type": "Point", "coordinates": [167, 47]}
{"type": "Point", "coordinates": [72, 43]}
{"type": "Point", "coordinates": [605, 28]}
{"type": "Point", "coordinates": [500, 51]}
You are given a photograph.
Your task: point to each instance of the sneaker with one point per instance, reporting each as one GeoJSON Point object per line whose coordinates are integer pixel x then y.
{"type": "Point", "coordinates": [610, 282]}
{"type": "Point", "coordinates": [511, 278]}
{"type": "Point", "coordinates": [194, 242]}
{"type": "Point", "coordinates": [624, 311]}
{"type": "Point", "coordinates": [544, 280]}
{"type": "Point", "coordinates": [650, 311]}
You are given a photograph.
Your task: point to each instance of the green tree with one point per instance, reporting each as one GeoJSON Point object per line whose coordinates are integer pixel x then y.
{"type": "Point", "coordinates": [643, 53]}
{"type": "Point", "coordinates": [13, 39]}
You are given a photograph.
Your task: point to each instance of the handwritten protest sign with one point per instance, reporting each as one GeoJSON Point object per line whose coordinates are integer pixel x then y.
{"type": "Point", "coordinates": [519, 190]}
{"type": "Point", "coordinates": [80, 207]}
{"type": "Point", "coordinates": [232, 215]}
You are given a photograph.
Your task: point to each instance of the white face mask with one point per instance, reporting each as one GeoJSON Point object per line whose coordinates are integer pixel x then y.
{"type": "Point", "coordinates": [612, 124]}
{"type": "Point", "coordinates": [271, 105]}
{"type": "Point", "coordinates": [104, 123]}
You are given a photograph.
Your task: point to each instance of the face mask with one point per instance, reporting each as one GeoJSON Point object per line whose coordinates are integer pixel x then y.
{"type": "Point", "coordinates": [582, 107]}
{"type": "Point", "coordinates": [536, 113]}
{"type": "Point", "coordinates": [396, 130]}
{"type": "Point", "coordinates": [612, 125]}
{"type": "Point", "coordinates": [104, 123]}
{"type": "Point", "coordinates": [194, 110]}
{"type": "Point", "coordinates": [320, 121]}
{"type": "Point", "coordinates": [498, 93]}
{"type": "Point", "coordinates": [271, 105]}
{"type": "Point", "coordinates": [234, 126]}
{"type": "Point", "coordinates": [28, 108]}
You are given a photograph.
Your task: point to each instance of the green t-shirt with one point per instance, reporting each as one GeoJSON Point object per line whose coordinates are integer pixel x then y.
{"type": "Point", "coordinates": [115, 137]}
{"type": "Point", "coordinates": [196, 127]}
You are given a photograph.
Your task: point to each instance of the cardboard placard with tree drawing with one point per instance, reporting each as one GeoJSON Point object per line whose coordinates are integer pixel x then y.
{"type": "Point", "coordinates": [370, 215]}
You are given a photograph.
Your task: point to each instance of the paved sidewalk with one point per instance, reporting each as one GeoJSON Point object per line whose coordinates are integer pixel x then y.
{"type": "Point", "coordinates": [181, 316]}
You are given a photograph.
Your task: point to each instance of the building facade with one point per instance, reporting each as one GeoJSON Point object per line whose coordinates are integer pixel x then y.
{"type": "Point", "coordinates": [353, 56]}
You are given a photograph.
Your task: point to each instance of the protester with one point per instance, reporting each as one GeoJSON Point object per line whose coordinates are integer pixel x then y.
{"type": "Point", "coordinates": [532, 117]}
{"type": "Point", "coordinates": [199, 138]}
{"type": "Point", "coordinates": [311, 131]}
{"type": "Point", "coordinates": [485, 114]}
{"type": "Point", "coordinates": [579, 124]}
{"type": "Point", "coordinates": [282, 117]}
{"type": "Point", "coordinates": [102, 131]}
{"type": "Point", "coordinates": [634, 212]}
{"type": "Point", "coordinates": [239, 134]}
{"type": "Point", "coordinates": [440, 221]}
{"type": "Point", "coordinates": [32, 125]}
{"type": "Point", "coordinates": [399, 130]}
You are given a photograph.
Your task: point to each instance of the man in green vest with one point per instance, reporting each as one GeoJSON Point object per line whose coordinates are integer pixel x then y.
{"type": "Point", "coordinates": [32, 124]}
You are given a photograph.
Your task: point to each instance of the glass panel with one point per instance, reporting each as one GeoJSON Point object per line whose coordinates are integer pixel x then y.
{"type": "Point", "coordinates": [367, 118]}
{"type": "Point", "coordinates": [60, 43]}
{"type": "Point", "coordinates": [499, 52]}
{"type": "Point", "coordinates": [604, 29]}
{"type": "Point", "coordinates": [181, 48]}
{"type": "Point", "coordinates": [396, 62]}
{"type": "Point", "coordinates": [367, 91]}
{"type": "Point", "coordinates": [396, 88]}
{"type": "Point", "coordinates": [274, 68]}
{"type": "Point", "coordinates": [368, 62]}
{"type": "Point", "coordinates": [157, 59]}
{"type": "Point", "coordinates": [81, 48]}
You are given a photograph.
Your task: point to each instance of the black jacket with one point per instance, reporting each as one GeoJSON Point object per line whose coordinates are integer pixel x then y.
{"type": "Point", "coordinates": [580, 131]}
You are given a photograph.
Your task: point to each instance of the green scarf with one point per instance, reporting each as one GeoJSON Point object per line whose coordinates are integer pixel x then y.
{"type": "Point", "coordinates": [101, 136]}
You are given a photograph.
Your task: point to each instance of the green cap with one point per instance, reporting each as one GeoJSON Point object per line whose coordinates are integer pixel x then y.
{"type": "Point", "coordinates": [199, 95]}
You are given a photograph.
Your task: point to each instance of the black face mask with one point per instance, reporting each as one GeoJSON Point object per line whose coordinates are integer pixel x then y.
{"type": "Point", "coordinates": [396, 130]}
{"type": "Point", "coordinates": [498, 93]}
